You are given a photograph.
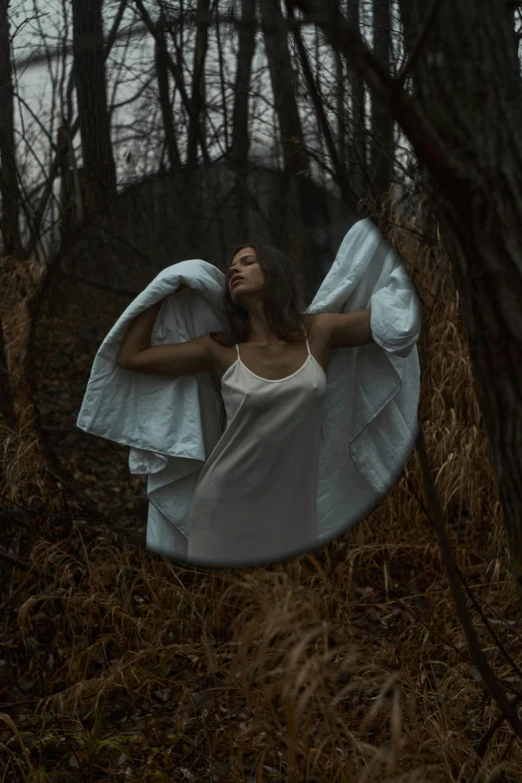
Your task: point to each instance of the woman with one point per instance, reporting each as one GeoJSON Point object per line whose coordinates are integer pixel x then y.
{"type": "Point", "coordinates": [257, 492]}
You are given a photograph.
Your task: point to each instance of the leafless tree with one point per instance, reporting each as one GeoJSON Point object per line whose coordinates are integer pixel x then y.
{"type": "Point", "coordinates": [162, 73]}
{"type": "Point", "coordinates": [462, 122]}
{"type": "Point", "coordinates": [91, 90]}
{"type": "Point", "coordinates": [247, 43]}
{"type": "Point", "coordinates": [358, 157]}
{"type": "Point", "coordinates": [198, 87]}
{"type": "Point", "coordinates": [9, 188]}
{"type": "Point", "coordinates": [382, 121]}
{"type": "Point", "coordinates": [281, 76]}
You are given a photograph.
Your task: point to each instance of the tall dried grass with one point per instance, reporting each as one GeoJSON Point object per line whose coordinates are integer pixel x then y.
{"type": "Point", "coordinates": [346, 665]}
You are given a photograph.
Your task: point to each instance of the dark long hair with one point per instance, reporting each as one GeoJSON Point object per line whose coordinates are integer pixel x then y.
{"type": "Point", "coordinates": [284, 302]}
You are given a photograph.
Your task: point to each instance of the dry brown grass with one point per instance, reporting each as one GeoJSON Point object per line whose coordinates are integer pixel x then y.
{"type": "Point", "coordinates": [344, 666]}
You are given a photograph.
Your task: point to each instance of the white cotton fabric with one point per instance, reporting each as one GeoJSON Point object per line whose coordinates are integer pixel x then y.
{"type": "Point", "coordinates": [256, 496]}
{"type": "Point", "coordinates": [172, 425]}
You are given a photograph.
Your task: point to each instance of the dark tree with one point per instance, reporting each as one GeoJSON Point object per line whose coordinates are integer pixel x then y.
{"type": "Point", "coordinates": [91, 90]}
{"type": "Point", "coordinates": [9, 190]}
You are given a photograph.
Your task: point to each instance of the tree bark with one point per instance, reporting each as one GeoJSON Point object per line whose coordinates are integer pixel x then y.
{"type": "Point", "coordinates": [240, 144]}
{"type": "Point", "coordinates": [463, 122]}
{"type": "Point", "coordinates": [340, 106]}
{"type": "Point", "coordinates": [91, 90]}
{"type": "Point", "coordinates": [197, 125]}
{"type": "Point", "coordinates": [247, 44]}
{"type": "Point", "coordinates": [296, 161]}
{"type": "Point", "coordinates": [9, 190]}
{"type": "Point", "coordinates": [162, 75]}
{"type": "Point", "coordinates": [357, 166]}
{"type": "Point", "coordinates": [382, 147]}
{"type": "Point", "coordinates": [281, 78]}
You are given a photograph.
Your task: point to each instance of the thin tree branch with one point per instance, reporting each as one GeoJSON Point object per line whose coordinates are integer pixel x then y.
{"type": "Point", "coordinates": [345, 38]}
{"type": "Point", "coordinates": [174, 69]}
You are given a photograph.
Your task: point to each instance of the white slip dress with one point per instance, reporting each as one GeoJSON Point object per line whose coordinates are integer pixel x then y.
{"type": "Point", "coordinates": [255, 500]}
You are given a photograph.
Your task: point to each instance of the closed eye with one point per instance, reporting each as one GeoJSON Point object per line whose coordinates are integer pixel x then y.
{"type": "Point", "coordinates": [250, 262]}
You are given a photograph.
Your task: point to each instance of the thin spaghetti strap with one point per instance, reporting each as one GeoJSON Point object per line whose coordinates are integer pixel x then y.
{"type": "Point", "coordinates": [237, 349]}
{"type": "Point", "coordinates": [307, 345]}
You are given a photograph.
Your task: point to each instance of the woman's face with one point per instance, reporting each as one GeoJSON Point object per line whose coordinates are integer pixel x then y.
{"type": "Point", "coordinates": [245, 276]}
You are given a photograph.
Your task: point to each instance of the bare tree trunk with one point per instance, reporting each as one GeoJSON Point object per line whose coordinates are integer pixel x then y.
{"type": "Point", "coordinates": [340, 101]}
{"type": "Point", "coordinates": [222, 78]}
{"type": "Point", "coordinates": [295, 157]}
{"type": "Point", "coordinates": [8, 182]}
{"type": "Point", "coordinates": [71, 203]}
{"type": "Point", "coordinates": [247, 44]}
{"type": "Point", "coordinates": [463, 124]}
{"type": "Point", "coordinates": [240, 138]}
{"type": "Point", "coordinates": [358, 164]}
{"type": "Point", "coordinates": [281, 77]}
{"type": "Point", "coordinates": [70, 130]}
{"type": "Point", "coordinates": [91, 89]}
{"type": "Point", "coordinates": [162, 74]}
{"type": "Point", "coordinates": [382, 147]}
{"type": "Point", "coordinates": [198, 99]}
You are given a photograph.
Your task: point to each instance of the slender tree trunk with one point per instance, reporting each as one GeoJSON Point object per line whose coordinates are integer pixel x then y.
{"type": "Point", "coordinates": [382, 147]}
{"type": "Point", "coordinates": [12, 242]}
{"type": "Point", "coordinates": [358, 164]}
{"type": "Point", "coordinates": [91, 90]}
{"type": "Point", "coordinates": [222, 78]}
{"type": "Point", "coordinates": [463, 124]}
{"type": "Point", "coordinates": [295, 157]}
{"type": "Point", "coordinates": [247, 44]}
{"type": "Point", "coordinates": [162, 75]}
{"type": "Point", "coordinates": [281, 77]}
{"type": "Point", "coordinates": [197, 125]}
{"type": "Point", "coordinates": [340, 106]}
{"type": "Point", "coordinates": [240, 137]}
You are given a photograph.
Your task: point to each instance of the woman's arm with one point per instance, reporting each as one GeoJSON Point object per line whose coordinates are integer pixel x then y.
{"type": "Point", "coordinates": [348, 330]}
{"type": "Point", "coordinates": [138, 334]}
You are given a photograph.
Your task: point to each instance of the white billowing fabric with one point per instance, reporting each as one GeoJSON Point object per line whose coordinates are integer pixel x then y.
{"type": "Point", "coordinates": [172, 425]}
{"type": "Point", "coordinates": [256, 496]}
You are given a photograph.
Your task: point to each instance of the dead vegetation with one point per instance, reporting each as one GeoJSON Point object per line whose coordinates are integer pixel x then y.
{"type": "Point", "coordinates": [348, 665]}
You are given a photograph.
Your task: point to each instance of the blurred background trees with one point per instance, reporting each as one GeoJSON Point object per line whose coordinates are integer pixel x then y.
{"type": "Point", "coordinates": [137, 133]}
